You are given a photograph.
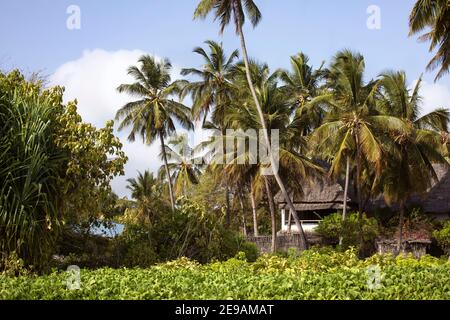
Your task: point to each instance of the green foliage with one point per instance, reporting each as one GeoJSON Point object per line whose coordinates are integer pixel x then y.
{"type": "Point", "coordinates": [352, 229]}
{"type": "Point", "coordinates": [189, 231]}
{"type": "Point", "coordinates": [54, 169]}
{"type": "Point", "coordinates": [443, 236]}
{"type": "Point", "coordinates": [314, 274]}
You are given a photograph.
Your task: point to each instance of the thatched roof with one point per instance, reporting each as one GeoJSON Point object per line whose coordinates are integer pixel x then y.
{"type": "Point", "coordinates": [320, 195]}
{"type": "Point", "coordinates": [324, 195]}
{"type": "Point", "coordinates": [437, 199]}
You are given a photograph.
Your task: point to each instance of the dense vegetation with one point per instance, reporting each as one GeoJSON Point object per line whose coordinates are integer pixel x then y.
{"type": "Point", "coordinates": [333, 123]}
{"type": "Point", "coordinates": [313, 275]}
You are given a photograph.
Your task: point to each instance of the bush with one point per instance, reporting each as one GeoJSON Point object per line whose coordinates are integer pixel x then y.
{"type": "Point", "coordinates": [443, 237]}
{"type": "Point", "coordinates": [189, 231]}
{"type": "Point", "coordinates": [352, 229]}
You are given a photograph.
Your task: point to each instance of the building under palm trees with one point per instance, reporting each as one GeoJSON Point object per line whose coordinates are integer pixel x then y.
{"type": "Point", "coordinates": [319, 199]}
{"type": "Point", "coordinates": [323, 198]}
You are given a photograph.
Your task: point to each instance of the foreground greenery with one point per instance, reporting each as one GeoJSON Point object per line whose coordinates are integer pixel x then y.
{"type": "Point", "coordinates": [323, 274]}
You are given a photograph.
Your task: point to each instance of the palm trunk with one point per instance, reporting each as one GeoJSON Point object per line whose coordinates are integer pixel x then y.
{"type": "Point", "coordinates": [244, 222]}
{"type": "Point", "coordinates": [344, 209]}
{"type": "Point", "coordinates": [400, 227]}
{"type": "Point", "coordinates": [303, 242]}
{"type": "Point", "coordinates": [166, 165]}
{"type": "Point", "coordinates": [227, 200]}
{"type": "Point", "coordinates": [227, 188]}
{"type": "Point", "coordinates": [255, 217]}
{"type": "Point", "coordinates": [358, 180]}
{"type": "Point", "coordinates": [272, 215]}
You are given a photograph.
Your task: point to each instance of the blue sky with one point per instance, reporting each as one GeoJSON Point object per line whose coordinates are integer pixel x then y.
{"type": "Point", "coordinates": [90, 61]}
{"type": "Point", "coordinates": [34, 34]}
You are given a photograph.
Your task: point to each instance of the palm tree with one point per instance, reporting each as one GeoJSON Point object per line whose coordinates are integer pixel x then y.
{"type": "Point", "coordinates": [354, 130]}
{"type": "Point", "coordinates": [143, 186]}
{"type": "Point", "coordinates": [418, 147]}
{"type": "Point", "coordinates": [144, 189]}
{"type": "Point", "coordinates": [435, 15]}
{"type": "Point", "coordinates": [184, 165]}
{"type": "Point", "coordinates": [352, 127]}
{"type": "Point", "coordinates": [225, 10]}
{"type": "Point", "coordinates": [278, 112]}
{"type": "Point", "coordinates": [213, 92]}
{"type": "Point", "coordinates": [301, 86]}
{"type": "Point", "coordinates": [153, 115]}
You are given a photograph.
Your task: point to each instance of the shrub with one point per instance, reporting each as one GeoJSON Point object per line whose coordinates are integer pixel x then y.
{"type": "Point", "coordinates": [189, 231]}
{"type": "Point", "coordinates": [352, 229]}
{"type": "Point", "coordinates": [443, 236]}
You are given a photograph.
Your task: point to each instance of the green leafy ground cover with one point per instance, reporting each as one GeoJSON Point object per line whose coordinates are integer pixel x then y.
{"type": "Point", "coordinates": [312, 275]}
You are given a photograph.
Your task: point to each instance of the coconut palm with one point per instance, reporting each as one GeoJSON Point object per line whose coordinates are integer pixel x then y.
{"type": "Point", "coordinates": [353, 131]}
{"type": "Point", "coordinates": [184, 165]}
{"type": "Point", "coordinates": [418, 147]}
{"type": "Point", "coordinates": [143, 186]}
{"type": "Point", "coordinates": [435, 16]}
{"type": "Point", "coordinates": [277, 113]}
{"type": "Point", "coordinates": [238, 10]}
{"type": "Point", "coordinates": [301, 86]}
{"type": "Point", "coordinates": [213, 92]}
{"type": "Point", "coordinates": [144, 189]}
{"type": "Point", "coordinates": [153, 115]}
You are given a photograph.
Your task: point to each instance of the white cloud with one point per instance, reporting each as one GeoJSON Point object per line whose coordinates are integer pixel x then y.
{"type": "Point", "coordinates": [434, 96]}
{"type": "Point", "coordinates": [92, 80]}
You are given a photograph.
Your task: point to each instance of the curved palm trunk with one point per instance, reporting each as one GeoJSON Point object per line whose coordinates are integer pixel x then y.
{"type": "Point", "coordinates": [166, 165]}
{"type": "Point", "coordinates": [303, 242]}
{"type": "Point", "coordinates": [255, 216]}
{"type": "Point", "coordinates": [272, 215]}
{"type": "Point", "coordinates": [344, 209]}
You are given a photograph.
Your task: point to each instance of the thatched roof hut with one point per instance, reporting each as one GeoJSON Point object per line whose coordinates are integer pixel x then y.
{"type": "Point", "coordinates": [319, 195]}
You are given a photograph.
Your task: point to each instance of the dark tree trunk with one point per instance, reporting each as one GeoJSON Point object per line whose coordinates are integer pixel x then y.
{"type": "Point", "coordinates": [400, 227]}
{"type": "Point", "coordinates": [344, 209]}
{"type": "Point", "coordinates": [228, 211]}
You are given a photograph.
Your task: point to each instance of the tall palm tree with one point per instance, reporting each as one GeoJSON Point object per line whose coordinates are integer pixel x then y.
{"type": "Point", "coordinates": [418, 147]}
{"type": "Point", "coordinates": [301, 85]}
{"type": "Point", "coordinates": [352, 127]}
{"type": "Point", "coordinates": [213, 92]}
{"type": "Point", "coordinates": [225, 10]}
{"type": "Point", "coordinates": [184, 165]}
{"type": "Point", "coordinates": [153, 115]}
{"type": "Point", "coordinates": [144, 189]}
{"type": "Point", "coordinates": [435, 16]}
{"type": "Point", "coordinates": [278, 112]}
